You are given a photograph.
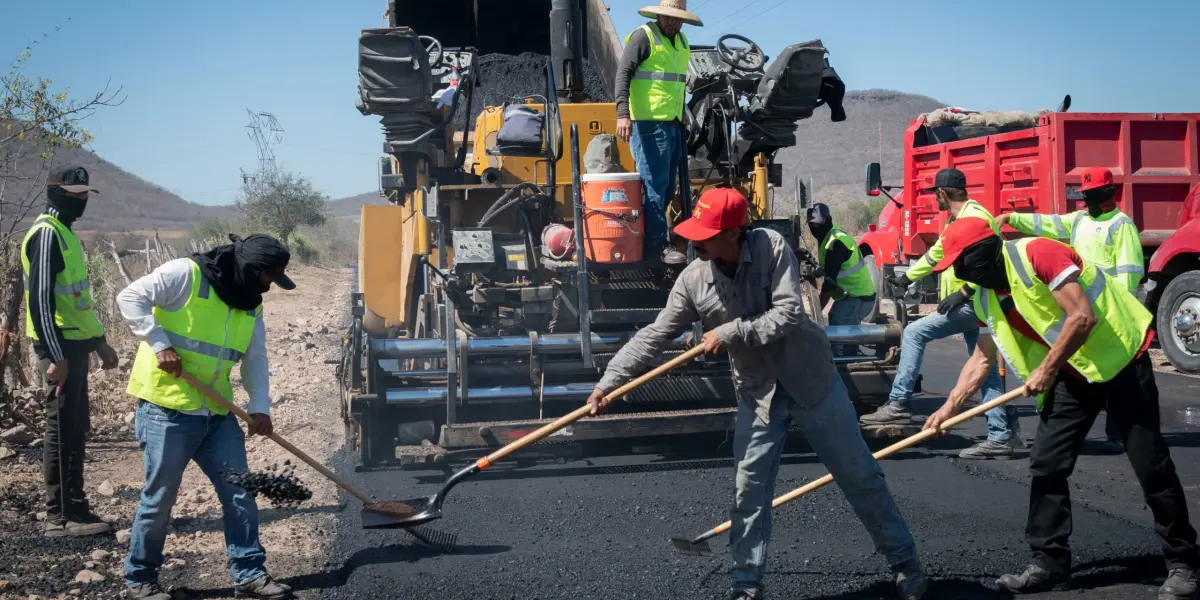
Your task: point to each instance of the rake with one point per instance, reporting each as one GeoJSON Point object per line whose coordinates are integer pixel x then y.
{"type": "Point", "coordinates": [699, 546]}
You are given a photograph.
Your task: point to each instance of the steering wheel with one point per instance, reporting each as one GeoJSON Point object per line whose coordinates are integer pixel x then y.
{"type": "Point", "coordinates": [432, 47]}
{"type": "Point", "coordinates": [747, 58]}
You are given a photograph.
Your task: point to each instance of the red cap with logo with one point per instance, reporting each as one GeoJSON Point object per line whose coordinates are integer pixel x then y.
{"type": "Point", "coordinates": [1095, 177]}
{"type": "Point", "coordinates": [958, 236]}
{"type": "Point", "coordinates": [715, 211]}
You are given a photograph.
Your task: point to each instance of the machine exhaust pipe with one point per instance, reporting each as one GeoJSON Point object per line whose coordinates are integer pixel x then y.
{"type": "Point", "coordinates": [602, 343]}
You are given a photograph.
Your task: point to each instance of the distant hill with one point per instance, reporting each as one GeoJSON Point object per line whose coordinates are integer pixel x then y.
{"type": "Point", "coordinates": [125, 201]}
{"type": "Point", "coordinates": [832, 154]}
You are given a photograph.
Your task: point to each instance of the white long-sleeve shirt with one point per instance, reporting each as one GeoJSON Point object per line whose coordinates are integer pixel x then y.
{"type": "Point", "coordinates": [168, 288]}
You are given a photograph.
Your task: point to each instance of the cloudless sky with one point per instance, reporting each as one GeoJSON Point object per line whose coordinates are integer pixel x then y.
{"type": "Point", "coordinates": [190, 70]}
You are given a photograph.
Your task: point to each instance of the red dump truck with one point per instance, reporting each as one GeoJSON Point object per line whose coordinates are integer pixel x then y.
{"type": "Point", "coordinates": [1036, 167]}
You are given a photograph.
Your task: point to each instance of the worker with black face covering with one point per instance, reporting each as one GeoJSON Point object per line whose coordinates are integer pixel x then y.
{"type": "Point", "coordinates": [61, 320]}
{"type": "Point", "coordinates": [847, 280]}
{"type": "Point", "coordinates": [1079, 341]}
{"type": "Point", "coordinates": [1101, 234]}
{"type": "Point", "coordinates": [202, 314]}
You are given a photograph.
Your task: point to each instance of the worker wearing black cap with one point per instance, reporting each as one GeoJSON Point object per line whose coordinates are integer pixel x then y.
{"type": "Point", "coordinates": [202, 314]}
{"type": "Point", "coordinates": [954, 316]}
{"type": "Point", "coordinates": [847, 279]}
{"type": "Point", "coordinates": [61, 319]}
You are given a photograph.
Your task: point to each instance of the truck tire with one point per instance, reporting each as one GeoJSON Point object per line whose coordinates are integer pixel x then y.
{"type": "Point", "coordinates": [1179, 322]}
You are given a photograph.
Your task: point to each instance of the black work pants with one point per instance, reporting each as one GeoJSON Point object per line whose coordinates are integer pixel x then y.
{"type": "Point", "coordinates": [67, 425]}
{"type": "Point", "coordinates": [1131, 400]}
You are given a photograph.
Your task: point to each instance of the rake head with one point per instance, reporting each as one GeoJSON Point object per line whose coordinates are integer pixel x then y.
{"type": "Point", "coordinates": [438, 540]}
{"type": "Point", "coordinates": [690, 547]}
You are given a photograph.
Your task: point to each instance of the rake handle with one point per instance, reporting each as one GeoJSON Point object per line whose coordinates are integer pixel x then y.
{"type": "Point", "coordinates": [907, 442]}
{"type": "Point", "coordinates": [243, 415]}
{"type": "Point", "coordinates": [585, 410]}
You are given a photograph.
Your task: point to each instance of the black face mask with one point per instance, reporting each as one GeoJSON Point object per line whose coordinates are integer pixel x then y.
{"type": "Point", "coordinates": [233, 270]}
{"type": "Point", "coordinates": [1099, 200]}
{"type": "Point", "coordinates": [69, 208]}
{"type": "Point", "coordinates": [982, 264]}
{"type": "Point", "coordinates": [820, 231]}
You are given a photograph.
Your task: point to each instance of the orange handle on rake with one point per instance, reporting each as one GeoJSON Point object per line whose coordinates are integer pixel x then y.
{"type": "Point", "coordinates": [898, 446]}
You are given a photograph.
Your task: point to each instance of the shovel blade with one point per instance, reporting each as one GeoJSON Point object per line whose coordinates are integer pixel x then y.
{"type": "Point", "coordinates": [397, 514]}
{"type": "Point", "coordinates": [686, 546]}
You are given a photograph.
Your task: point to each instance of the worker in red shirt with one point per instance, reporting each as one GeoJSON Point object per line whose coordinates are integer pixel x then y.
{"type": "Point", "coordinates": [1078, 340]}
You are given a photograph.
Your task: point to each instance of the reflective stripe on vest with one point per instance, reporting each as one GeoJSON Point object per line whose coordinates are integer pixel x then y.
{"type": "Point", "coordinates": [1093, 240]}
{"type": "Point", "coordinates": [1112, 343]}
{"type": "Point", "coordinates": [656, 90]}
{"type": "Point", "coordinates": [209, 336]}
{"type": "Point", "coordinates": [852, 277]}
{"type": "Point", "coordinates": [73, 302]}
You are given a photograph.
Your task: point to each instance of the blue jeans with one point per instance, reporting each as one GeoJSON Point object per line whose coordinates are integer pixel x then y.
{"type": "Point", "coordinates": [831, 429]}
{"type": "Point", "coordinates": [656, 147]}
{"type": "Point", "coordinates": [169, 439]}
{"type": "Point", "coordinates": [1002, 420]}
{"type": "Point", "coordinates": [850, 310]}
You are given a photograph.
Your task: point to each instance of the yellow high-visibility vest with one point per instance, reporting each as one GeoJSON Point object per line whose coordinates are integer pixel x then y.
{"type": "Point", "coordinates": [657, 91]}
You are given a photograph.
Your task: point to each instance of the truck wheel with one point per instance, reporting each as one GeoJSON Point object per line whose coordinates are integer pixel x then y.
{"type": "Point", "coordinates": [1179, 322]}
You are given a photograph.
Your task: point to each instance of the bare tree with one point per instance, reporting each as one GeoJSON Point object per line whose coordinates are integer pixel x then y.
{"type": "Point", "coordinates": [35, 123]}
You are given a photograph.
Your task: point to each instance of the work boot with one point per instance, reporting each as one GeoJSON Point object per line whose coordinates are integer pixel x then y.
{"type": "Point", "coordinates": [146, 591]}
{"type": "Point", "coordinates": [988, 449]}
{"type": "Point", "coordinates": [74, 528]}
{"type": "Point", "coordinates": [1180, 585]}
{"type": "Point", "coordinates": [746, 595]}
{"type": "Point", "coordinates": [1112, 447]}
{"type": "Point", "coordinates": [671, 256]}
{"type": "Point", "coordinates": [1034, 580]}
{"type": "Point", "coordinates": [264, 587]}
{"type": "Point", "coordinates": [911, 583]}
{"type": "Point", "coordinates": [890, 413]}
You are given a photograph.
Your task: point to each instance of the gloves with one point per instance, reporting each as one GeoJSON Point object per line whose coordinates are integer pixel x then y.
{"type": "Point", "coordinates": [951, 302]}
{"type": "Point", "coordinates": [900, 282]}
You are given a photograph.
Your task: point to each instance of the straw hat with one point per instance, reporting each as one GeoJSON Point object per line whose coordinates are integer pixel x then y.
{"type": "Point", "coordinates": [672, 8]}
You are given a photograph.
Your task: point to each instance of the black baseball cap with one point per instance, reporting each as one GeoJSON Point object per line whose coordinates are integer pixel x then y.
{"type": "Point", "coordinates": [819, 214]}
{"type": "Point", "coordinates": [948, 178]}
{"type": "Point", "coordinates": [71, 178]}
{"type": "Point", "coordinates": [266, 254]}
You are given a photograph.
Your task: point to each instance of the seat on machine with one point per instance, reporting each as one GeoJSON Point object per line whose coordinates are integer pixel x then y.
{"type": "Point", "coordinates": [791, 85]}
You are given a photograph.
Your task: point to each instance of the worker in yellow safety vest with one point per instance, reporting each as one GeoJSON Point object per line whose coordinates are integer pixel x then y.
{"type": "Point", "coordinates": [1101, 234]}
{"type": "Point", "coordinates": [650, 95]}
{"type": "Point", "coordinates": [201, 315]}
{"type": "Point", "coordinates": [1079, 342]}
{"type": "Point", "coordinates": [847, 281]}
{"type": "Point", "coordinates": [954, 316]}
{"type": "Point", "coordinates": [60, 319]}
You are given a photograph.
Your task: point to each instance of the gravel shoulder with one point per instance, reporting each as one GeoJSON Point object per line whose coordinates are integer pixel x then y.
{"type": "Point", "coordinates": [304, 330]}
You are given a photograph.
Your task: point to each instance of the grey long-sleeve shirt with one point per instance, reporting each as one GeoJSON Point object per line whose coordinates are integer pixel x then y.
{"type": "Point", "coordinates": [169, 287]}
{"type": "Point", "coordinates": [759, 316]}
{"type": "Point", "coordinates": [636, 51]}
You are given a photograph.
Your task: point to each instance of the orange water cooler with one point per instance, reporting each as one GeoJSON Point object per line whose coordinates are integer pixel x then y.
{"type": "Point", "coordinates": [614, 223]}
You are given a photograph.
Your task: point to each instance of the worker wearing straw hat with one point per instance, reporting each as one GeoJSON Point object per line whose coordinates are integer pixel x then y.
{"type": "Point", "coordinates": [650, 95]}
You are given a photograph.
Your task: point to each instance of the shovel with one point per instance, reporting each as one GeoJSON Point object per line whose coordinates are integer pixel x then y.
{"type": "Point", "coordinates": [418, 511]}
{"type": "Point", "coordinates": [698, 546]}
{"type": "Point", "coordinates": [372, 510]}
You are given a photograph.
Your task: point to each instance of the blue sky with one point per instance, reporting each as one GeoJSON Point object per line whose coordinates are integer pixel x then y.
{"type": "Point", "coordinates": [190, 70]}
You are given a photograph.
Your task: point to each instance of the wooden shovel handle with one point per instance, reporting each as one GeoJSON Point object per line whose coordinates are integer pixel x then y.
{"type": "Point", "coordinates": [585, 410]}
{"type": "Point", "coordinates": [215, 397]}
{"type": "Point", "coordinates": [907, 442]}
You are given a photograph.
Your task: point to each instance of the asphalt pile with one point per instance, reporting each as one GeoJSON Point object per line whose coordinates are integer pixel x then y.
{"type": "Point", "coordinates": [506, 78]}
{"type": "Point", "coordinates": [277, 484]}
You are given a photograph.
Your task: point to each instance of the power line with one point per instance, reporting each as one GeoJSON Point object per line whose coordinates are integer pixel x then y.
{"type": "Point", "coordinates": [735, 12]}
{"type": "Point", "coordinates": [772, 7]}
{"type": "Point", "coordinates": [266, 133]}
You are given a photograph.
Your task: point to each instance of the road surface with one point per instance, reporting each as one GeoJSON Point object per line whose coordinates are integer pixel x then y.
{"type": "Point", "coordinates": [599, 528]}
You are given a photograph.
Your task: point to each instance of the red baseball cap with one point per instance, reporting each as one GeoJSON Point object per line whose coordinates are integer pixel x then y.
{"type": "Point", "coordinates": [716, 210]}
{"type": "Point", "coordinates": [1095, 177]}
{"type": "Point", "coordinates": [958, 236]}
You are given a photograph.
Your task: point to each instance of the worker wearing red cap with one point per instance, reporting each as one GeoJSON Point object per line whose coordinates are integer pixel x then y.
{"type": "Point", "coordinates": [1079, 341]}
{"type": "Point", "coordinates": [1101, 234]}
{"type": "Point", "coordinates": [745, 289]}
